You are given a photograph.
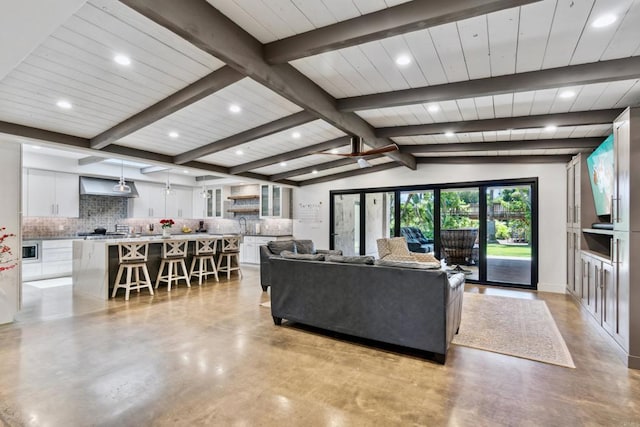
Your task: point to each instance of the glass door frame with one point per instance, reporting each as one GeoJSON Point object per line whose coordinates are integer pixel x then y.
{"type": "Point", "coordinates": [482, 217]}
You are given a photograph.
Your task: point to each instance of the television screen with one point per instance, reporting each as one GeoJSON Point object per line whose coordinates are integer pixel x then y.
{"type": "Point", "coordinates": [601, 173]}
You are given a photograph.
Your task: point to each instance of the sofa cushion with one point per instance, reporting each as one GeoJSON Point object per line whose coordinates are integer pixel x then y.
{"type": "Point", "coordinates": [305, 247]}
{"type": "Point", "coordinates": [398, 246]}
{"type": "Point", "coordinates": [383, 248]}
{"type": "Point", "coordinates": [308, 257]}
{"type": "Point", "coordinates": [329, 251]}
{"type": "Point", "coordinates": [364, 259]}
{"type": "Point", "coordinates": [406, 264]}
{"type": "Point", "coordinates": [277, 246]}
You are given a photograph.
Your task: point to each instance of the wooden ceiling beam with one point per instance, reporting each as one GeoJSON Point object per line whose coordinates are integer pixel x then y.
{"type": "Point", "coordinates": [321, 166]}
{"type": "Point", "coordinates": [538, 144]}
{"type": "Point", "coordinates": [349, 174]}
{"type": "Point", "coordinates": [578, 118]}
{"type": "Point", "coordinates": [267, 129]}
{"type": "Point", "coordinates": [202, 88]}
{"type": "Point", "coordinates": [404, 18]}
{"type": "Point", "coordinates": [596, 72]}
{"type": "Point", "coordinates": [208, 29]}
{"type": "Point", "coordinates": [295, 154]}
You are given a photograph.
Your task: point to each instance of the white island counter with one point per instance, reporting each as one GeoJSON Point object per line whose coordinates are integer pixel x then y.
{"type": "Point", "coordinates": [95, 262]}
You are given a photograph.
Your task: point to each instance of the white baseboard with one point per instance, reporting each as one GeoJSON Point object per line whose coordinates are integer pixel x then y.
{"type": "Point", "coordinates": [555, 288]}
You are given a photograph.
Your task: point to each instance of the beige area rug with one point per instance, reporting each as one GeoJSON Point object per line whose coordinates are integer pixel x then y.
{"type": "Point", "coordinates": [266, 304]}
{"type": "Point", "coordinates": [513, 326]}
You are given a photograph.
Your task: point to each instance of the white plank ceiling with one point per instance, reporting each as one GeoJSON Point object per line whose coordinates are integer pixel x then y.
{"type": "Point", "coordinates": [310, 133]}
{"type": "Point", "coordinates": [509, 135]}
{"type": "Point", "coordinates": [76, 64]}
{"type": "Point", "coordinates": [548, 34]}
{"type": "Point", "coordinates": [597, 96]}
{"type": "Point", "coordinates": [554, 151]}
{"type": "Point", "coordinates": [210, 120]}
{"type": "Point", "coordinates": [352, 167]}
{"type": "Point", "coordinates": [270, 20]}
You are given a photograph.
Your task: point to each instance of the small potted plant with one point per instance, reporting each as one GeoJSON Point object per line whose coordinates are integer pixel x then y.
{"type": "Point", "coordinates": [166, 225]}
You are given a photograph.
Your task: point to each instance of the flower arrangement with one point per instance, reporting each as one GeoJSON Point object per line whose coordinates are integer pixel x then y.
{"type": "Point", "coordinates": [5, 251]}
{"type": "Point", "coordinates": [166, 223]}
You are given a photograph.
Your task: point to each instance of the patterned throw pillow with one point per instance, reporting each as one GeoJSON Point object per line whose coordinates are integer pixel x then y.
{"type": "Point", "coordinates": [383, 248]}
{"type": "Point", "coordinates": [424, 257]}
{"type": "Point", "coordinates": [277, 246]}
{"type": "Point", "coordinates": [305, 247]}
{"type": "Point", "coordinates": [307, 257]}
{"type": "Point", "coordinates": [351, 259]}
{"type": "Point", "coordinates": [398, 246]}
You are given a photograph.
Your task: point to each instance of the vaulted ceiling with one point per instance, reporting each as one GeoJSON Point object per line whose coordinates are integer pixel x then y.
{"type": "Point", "coordinates": [269, 89]}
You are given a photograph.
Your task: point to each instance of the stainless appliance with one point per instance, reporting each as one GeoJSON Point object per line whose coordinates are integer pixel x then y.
{"type": "Point", "coordinates": [31, 251]}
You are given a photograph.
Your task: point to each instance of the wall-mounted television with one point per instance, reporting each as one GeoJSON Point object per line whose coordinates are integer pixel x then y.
{"type": "Point", "coordinates": [601, 174]}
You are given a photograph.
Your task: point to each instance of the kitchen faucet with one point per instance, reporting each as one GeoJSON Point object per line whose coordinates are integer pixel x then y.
{"type": "Point", "coordinates": [242, 221]}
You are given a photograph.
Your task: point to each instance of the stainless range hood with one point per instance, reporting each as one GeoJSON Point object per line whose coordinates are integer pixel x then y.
{"type": "Point", "coordinates": [104, 187]}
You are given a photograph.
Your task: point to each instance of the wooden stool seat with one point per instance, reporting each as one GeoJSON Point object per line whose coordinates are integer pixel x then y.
{"type": "Point", "coordinates": [204, 257]}
{"type": "Point", "coordinates": [133, 258]}
{"type": "Point", "coordinates": [230, 252]}
{"type": "Point", "coordinates": [174, 253]}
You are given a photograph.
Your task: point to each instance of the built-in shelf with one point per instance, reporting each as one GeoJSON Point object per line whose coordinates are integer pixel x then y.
{"type": "Point", "coordinates": [244, 210]}
{"type": "Point", "coordinates": [597, 231]}
{"type": "Point", "coordinates": [244, 197]}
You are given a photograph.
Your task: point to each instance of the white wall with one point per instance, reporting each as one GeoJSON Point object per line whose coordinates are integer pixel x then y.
{"type": "Point", "coordinates": [551, 205]}
{"type": "Point", "coordinates": [11, 176]}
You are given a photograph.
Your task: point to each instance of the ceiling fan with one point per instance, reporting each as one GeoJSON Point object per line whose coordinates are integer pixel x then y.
{"type": "Point", "coordinates": [356, 151]}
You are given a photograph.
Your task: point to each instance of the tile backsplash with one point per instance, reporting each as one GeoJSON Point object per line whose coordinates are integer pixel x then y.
{"type": "Point", "coordinates": [103, 211]}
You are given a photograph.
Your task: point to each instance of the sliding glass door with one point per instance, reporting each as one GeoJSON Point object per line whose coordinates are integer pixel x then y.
{"type": "Point", "coordinates": [487, 230]}
{"type": "Point", "coordinates": [509, 234]}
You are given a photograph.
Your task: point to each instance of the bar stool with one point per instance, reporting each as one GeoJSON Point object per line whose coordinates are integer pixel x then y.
{"type": "Point", "coordinates": [205, 251]}
{"type": "Point", "coordinates": [132, 257]}
{"type": "Point", "coordinates": [230, 251]}
{"type": "Point", "coordinates": [174, 253]}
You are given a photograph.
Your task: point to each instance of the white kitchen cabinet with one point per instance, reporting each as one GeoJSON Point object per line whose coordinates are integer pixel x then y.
{"type": "Point", "coordinates": [52, 194]}
{"type": "Point", "coordinates": [250, 247]}
{"type": "Point", "coordinates": [150, 203]}
{"type": "Point", "coordinates": [179, 203]}
{"type": "Point", "coordinates": [198, 203]}
{"type": "Point", "coordinates": [25, 192]}
{"type": "Point", "coordinates": [275, 201]}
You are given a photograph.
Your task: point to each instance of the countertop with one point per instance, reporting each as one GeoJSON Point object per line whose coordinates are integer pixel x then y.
{"type": "Point", "coordinates": [150, 236]}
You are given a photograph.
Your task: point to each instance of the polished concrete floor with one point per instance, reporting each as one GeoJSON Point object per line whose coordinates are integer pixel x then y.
{"type": "Point", "coordinates": [211, 355]}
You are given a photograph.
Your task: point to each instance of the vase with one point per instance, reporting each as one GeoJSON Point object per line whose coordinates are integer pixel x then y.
{"type": "Point", "coordinates": [166, 233]}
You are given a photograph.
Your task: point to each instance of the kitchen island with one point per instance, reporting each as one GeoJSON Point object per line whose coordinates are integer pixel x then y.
{"type": "Point", "coordinates": [95, 262]}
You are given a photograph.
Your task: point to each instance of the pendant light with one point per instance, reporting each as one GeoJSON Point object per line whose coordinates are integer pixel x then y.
{"type": "Point", "coordinates": [121, 186]}
{"type": "Point", "coordinates": [167, 188]}
{"type": "Point", "coordinates": [204, 193]}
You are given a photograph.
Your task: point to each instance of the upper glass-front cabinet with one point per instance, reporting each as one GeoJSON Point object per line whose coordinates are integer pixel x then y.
{"type": "Point", "coordinates": [275, 201]}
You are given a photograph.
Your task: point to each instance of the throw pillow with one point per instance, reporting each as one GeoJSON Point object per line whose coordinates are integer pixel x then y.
{"type": "Point", "coordinates": [307, 257]}
{"type": "Point", "coordinates": [383, 248]}
{"type": "Point", "coordinates": [305, 247]}
{"type": "Point", "coordinates": [424, 257]}
{"type": "Point", "coordinates": [398, 246]}
{"type": "Point", "coordinates": [364, 259]}
{"type": "Point", "coordinates": [405, 264]}
{"type": "Point", "coordinates": [277, 246]}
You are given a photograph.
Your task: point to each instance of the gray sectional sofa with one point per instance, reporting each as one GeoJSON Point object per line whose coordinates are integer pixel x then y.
{"type": "Point", "coordinates": [414, 308]}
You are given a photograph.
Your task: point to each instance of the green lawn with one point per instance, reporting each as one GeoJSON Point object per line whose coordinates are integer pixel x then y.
{"type": "Point", "coordinates": [496, 249]}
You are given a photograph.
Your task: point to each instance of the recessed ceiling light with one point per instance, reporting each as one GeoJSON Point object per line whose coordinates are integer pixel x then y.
{"type": "Point", "coordinates": [403, 60]}
{"type": "Point", "coordinates": [283, 164]}
{"type": "Point", "coordinates": [448, 134]}
{"type": "Point", "coordinates": [604, 20]}
{"type": "Point", "coordinates": [550, 128]}
{"type": "Point", "coordinates": [334, 151]}
{"type": "Point", "coordinates": [36, 147]}
{"type": "Point", "coordinates": [185, 171]}
{"type": "Point", "coordinates": [295, 135]}
{"type": "Point", "coordinates": [65, 105]}
{"type": "Point", "coordinates": [174, 134]}
{"type": "Point", "coordinates": [235, 108]}
{"type": "Point", "coordinates": [122, 59]}
{"type": "Point", "coordinates": [433, 108]}
{"type": "Point", "coordinates": [239, 152]}
{"type": "Point", "coordinates": [567, 94]}
{"type": "Point", "coordinates": [315, 171]}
